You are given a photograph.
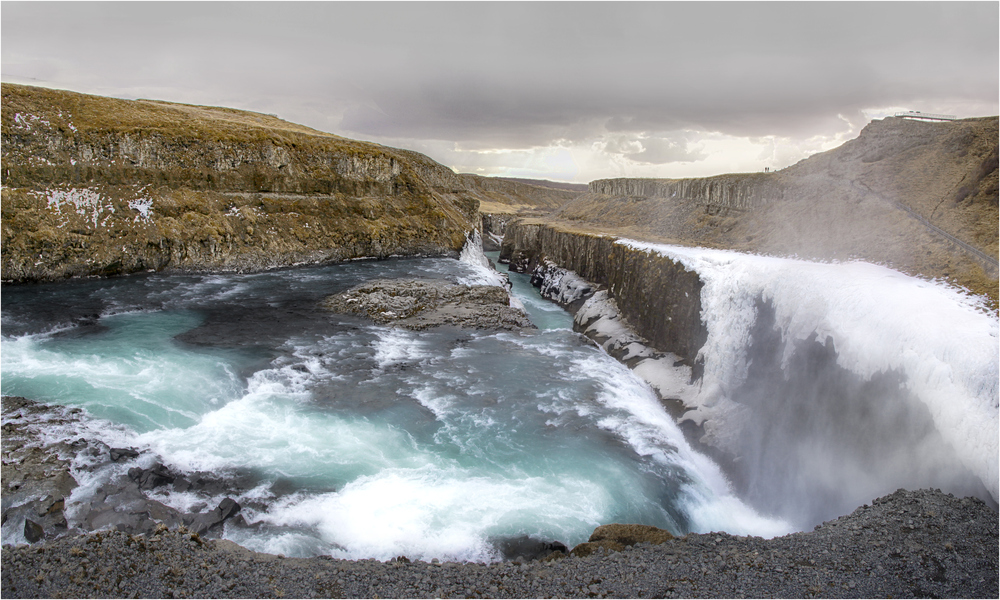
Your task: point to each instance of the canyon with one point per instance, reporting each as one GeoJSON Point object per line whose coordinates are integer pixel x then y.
{"type": "Point", "coordinates": [726, 295]}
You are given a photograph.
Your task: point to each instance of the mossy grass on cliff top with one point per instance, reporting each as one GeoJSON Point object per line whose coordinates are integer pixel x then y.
{"type": "Point", "coordinates": [83, 114]}
{"type": "Point", "coordinates": [724, 177]}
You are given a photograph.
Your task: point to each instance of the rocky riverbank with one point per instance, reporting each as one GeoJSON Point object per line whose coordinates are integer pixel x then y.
{"type": "Point", "coordinates": [40, 477]}
{"type": "Point", "coordinates": [908, 544]}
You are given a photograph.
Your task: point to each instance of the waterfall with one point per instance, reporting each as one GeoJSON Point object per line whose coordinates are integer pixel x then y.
{"type": "Point", "coordinates": [832, 383]}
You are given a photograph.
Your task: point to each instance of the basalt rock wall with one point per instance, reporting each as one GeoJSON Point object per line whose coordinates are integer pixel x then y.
{"type": "Point", "coordinates": [744, 191]}
{"type": "Point", "coordinates": [659, 298]}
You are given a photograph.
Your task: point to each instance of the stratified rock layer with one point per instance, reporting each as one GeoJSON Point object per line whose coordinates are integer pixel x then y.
{"type": "Point", "coordinates": [101, 186]}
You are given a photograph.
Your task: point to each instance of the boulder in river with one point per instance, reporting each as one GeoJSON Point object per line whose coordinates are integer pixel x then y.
{"type": "Point", "coordinates": [203, 522]}
{"type": "Point", "coordinates": [118, 454]}
{"type": "Point", "coordinates": [33, 531]}
{"type": "Point", "coordinates": [152, 477]}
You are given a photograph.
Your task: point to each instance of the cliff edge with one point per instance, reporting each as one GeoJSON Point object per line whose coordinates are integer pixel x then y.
{"type": "Point", "coordinates": [103, 186]}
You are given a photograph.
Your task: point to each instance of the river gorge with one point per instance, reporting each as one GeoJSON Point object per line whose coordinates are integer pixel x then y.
{"type": "Point", "coordinates": [226, 330]}
{"type": "Point", "coordinates": [360, 441]}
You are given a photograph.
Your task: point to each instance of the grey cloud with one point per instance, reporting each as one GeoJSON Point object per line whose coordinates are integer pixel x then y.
{"type": "Point", "coordinates": [656, 149]}
{"type": "Point", "coordinates": [522, 74]}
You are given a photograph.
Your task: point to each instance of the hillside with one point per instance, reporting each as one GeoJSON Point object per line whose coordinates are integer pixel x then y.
{"type": "Point", "coordinates": [919, 196]}
{"type": "Point", "coordinates": [559, 185]}
{"type": "Point", "coordinates": [103, 186]}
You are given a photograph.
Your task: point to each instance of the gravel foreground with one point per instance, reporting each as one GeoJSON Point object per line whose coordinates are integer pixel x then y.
{"type": "Point", "coordinates": [908, 544]}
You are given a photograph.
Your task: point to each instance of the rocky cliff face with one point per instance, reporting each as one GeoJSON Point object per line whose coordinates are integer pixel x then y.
{"type": "Point", "coordinates": [658, 297]}
{"type": "Point", "coordinates": [104, 186]}
{"type": "Point", "coordinates": [921, 197]}
{"type": "Point", "coordinates": [797, 406]}
{"type": "Point", "coordinates": [734, 191]}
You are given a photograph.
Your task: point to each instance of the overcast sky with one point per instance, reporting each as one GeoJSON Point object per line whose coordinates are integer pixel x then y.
{"type": "Point", "coordinates": [571, 91]}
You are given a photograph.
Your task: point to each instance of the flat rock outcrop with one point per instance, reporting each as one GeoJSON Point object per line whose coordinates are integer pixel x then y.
{"type": "Point", "coordinates": [422, 303]}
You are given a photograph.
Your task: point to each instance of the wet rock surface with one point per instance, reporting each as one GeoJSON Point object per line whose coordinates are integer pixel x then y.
{"type": "Point", "coordinates": [39, 478]}
{"type": "Point", "coordinates": [421, 303]}
{"type": "Point", "coordinates": [907, 544]}
{"type": "Point", "coordinates": [36, 478]}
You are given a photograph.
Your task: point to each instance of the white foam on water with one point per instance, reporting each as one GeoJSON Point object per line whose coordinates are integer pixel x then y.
{"type": "Point", "coordinates": [440, 512]}
{"type": "Point", "coordinates": [269, 429]}
{"type": "Point", "coordinates": [940, 338]}
{"type": "Point", "coordinates": [472, 256]}
{"type": "Point", "coordinates": [112, 377]}
{"type": "Point", "coordinates": [432, 399]}
{"type": "Point", "coordinates": [668, 380]}
{"type": "Point", "coordinates": [642, 422]}
{"type": "Point", "coordinates": [396, 346]}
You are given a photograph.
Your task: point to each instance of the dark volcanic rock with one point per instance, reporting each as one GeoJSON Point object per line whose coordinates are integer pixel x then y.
{"type": "Point", "coordinates": [524, 548]}
{"type": "Point", "coordinates": [118, 454]}
{"type": "Point", "coordinates": [152, 477]}
{"type": "Point", "coordinates": [202, 523]}
{"type": "Point", "coordinates": [659, 298]}
{"type": "Point", "coordinates": [420, 304]}
{"type": "Point", "coordinates": [35, 478]}
{"type": "Point", "coordinates": [33, 531]}
{"type": "Point", "coordinates": [908, 544]}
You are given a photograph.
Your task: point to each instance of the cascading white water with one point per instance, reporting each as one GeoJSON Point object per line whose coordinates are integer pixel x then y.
{"type": "Point", "coordinates": [472, 255]}
{"type": "Point", "coordinates": [821, 363]}
{"type": "Point", "coordinates": [372, 442]}
{"type": "Point", "coordinates": [359, 440]}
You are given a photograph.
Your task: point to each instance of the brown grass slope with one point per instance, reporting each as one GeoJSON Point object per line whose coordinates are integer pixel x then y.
{"type": "Point", "coordinates": [96, 185]}
{"type": "Point", "coordinates": [893, 195]}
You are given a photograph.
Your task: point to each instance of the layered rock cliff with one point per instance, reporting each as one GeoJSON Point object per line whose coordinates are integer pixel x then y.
{"type": "Point", "coordinates": [736, 192]}
{"type": "Point", "coordinates": [919, 196]}
{"type": "Point", "coordinates": [102, 186]}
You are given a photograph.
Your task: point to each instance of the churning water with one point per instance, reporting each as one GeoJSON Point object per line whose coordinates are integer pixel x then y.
{"type": "Point", "coordinates": [365, 441]}
{"type": "Point", "coordinates": [835, 383]}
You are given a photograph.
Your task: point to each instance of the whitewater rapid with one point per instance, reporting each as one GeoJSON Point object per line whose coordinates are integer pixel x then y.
{"type": "Point", "coordinates": [355, 440]}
